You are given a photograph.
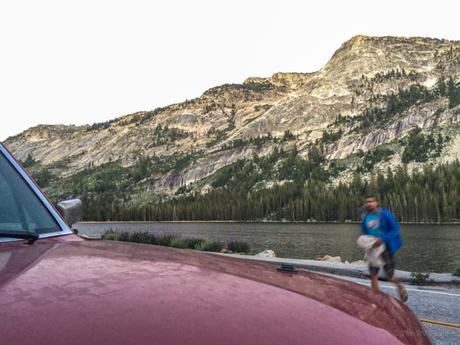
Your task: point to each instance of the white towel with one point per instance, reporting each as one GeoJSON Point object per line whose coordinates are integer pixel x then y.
{"type": "Point", "coordinates": [373, 255]}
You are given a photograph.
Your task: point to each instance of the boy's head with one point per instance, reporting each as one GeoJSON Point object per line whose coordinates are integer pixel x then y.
{"type": "Point", "coordinates": [372, 202]}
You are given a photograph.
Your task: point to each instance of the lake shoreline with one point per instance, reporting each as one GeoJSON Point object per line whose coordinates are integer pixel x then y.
{"type": "Point", "coordinates": [439, 244]}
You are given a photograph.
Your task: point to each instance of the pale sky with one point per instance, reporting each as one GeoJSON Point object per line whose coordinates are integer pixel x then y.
{"type": "Point", "coordinates": [77, 62]}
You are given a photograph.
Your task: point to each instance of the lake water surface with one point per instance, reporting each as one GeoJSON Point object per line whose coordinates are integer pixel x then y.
{"type": "Point", "coordinates": [426, 248]}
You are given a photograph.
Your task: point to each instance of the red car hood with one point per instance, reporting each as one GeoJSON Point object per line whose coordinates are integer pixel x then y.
{"type": "Point", "coordinates": [101, 292]}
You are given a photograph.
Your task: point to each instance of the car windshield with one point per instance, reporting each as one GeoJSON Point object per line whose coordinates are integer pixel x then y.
{"type": "Point", "coordinates": [20, 208]}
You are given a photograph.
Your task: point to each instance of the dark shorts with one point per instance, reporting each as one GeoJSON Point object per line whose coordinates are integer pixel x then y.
{"type": "Point", "coordinates": [388, 266]}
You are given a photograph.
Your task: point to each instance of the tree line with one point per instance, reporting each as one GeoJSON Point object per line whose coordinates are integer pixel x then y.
{"type": "Point", "coordinates": [428, 195]}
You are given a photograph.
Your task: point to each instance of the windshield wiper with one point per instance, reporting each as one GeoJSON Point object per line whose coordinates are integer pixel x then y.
{"type": "Point", "coordinates": [31, 237]}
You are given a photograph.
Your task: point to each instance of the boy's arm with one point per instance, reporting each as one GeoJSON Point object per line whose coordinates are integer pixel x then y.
{"type": "Point", "coordinates": [394, 227]}
{"type": "Point", "coordinates": [363, 215]}
{"type": "Point", "coordinates": [364, 227]}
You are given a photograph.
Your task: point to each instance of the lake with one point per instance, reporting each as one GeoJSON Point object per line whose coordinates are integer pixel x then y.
{"type": "Point", "coordinates": [426, 248]}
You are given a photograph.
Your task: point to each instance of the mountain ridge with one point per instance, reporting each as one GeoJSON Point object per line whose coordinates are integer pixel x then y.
{"type": "Point", "coordinates": [371, 96]}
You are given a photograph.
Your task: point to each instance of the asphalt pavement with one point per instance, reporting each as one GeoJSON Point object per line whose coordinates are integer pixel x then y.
{"type": "Point", "coordinates": [437, 307]}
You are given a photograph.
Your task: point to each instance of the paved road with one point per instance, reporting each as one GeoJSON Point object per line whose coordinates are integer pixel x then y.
{"type": "Point", "coordinates": [430, 303]}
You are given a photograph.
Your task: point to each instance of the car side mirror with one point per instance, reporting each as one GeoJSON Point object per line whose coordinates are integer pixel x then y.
{"type": "Point", "coordinates": [71, 210]}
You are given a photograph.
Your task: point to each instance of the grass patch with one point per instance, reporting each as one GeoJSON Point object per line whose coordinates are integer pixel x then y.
{"type": "Point", "coordinates": [176, 240]}
{"type": "Point", "coordinates": [417, 278]}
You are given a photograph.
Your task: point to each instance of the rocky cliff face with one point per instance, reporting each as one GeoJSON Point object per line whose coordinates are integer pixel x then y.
{"type": "Point", "coordinates": [372, 93]}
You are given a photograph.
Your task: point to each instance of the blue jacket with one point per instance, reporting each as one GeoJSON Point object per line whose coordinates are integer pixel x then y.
{"type": "Point", "coordinates": [390, 228]}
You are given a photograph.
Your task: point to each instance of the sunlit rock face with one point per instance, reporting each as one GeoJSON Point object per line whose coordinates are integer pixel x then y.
{"type": "Point", "coordinates": [361, 75]}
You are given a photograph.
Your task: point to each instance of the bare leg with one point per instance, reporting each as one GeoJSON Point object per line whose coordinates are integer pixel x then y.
{"type": "Point", "coordinates": [389, 268]}
{"type": "Point", "coordinates": [401, 289]}
{"type": "Point", "coordinates": [375, 282]}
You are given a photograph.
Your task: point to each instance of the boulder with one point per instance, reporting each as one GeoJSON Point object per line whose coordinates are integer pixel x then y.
{"type": "Point", "coordinates": [329, 258]}
{"type": "Point", "coordinates": [267, 253]}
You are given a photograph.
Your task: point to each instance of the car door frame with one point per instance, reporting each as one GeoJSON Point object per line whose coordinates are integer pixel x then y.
{"type": "Point", "coordinates": [65, 230]}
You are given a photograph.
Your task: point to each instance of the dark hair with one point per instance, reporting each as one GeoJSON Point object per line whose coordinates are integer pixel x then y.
{"type": "Point", "coordinates": [372, 196]}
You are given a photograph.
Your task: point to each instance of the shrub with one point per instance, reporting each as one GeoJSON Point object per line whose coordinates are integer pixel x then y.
{"type": "Point", "coordinates": [211, 246]}
{"type": "Point", "coordinates": [417, 278]}
{"type": "Point", "coordinates": [177, 240]}
{"type": "Point", "coordinates": [29, 161]}
{"type": "Point", "coordinates": [43, 177]}
{"type": "Point", "coordinates": [457, 272]}
{"type": "Point", "coordinates": [165, 239]}
{"type": "Point", "coordinates": [193, 242]}
{"type": "Point", "coordinates": [237, 246]}
{"type": "Point", "coordinates": [142, 237]}
{"type": "Point", "coordinates": [420, 147]}
{"type": "Point", "coordinates": [331, 137]}
{"type": "Point", "coordinates": [288, 135]}
{"type": "Point", "coordinates": [113, 236]}
{"type": "Point", "coordinates": [178, 243]}
{"type": "Point", "coordinates": [124, 236]}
